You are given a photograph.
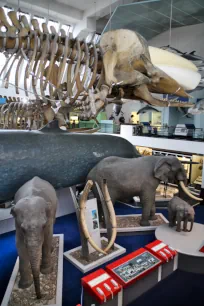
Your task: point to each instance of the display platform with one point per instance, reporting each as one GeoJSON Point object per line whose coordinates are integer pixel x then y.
{"type": "Point", "coordinates": [187, 244]}
{"type": "Point", "coordinates": [129, 224]}
{"type": "Point", "coordinates": [96, 259]}
{"type": "Point", "coordinates": [51, 284]}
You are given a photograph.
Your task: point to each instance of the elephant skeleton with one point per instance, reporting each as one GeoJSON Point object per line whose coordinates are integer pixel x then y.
{"type": "Point", "coordinates": [80, 75]}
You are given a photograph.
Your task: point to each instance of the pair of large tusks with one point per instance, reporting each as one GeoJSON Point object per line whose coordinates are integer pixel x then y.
{"type": "Point", "coordinates": [185, 189]}
{"type": "Point", "coordinates": [83, 200]}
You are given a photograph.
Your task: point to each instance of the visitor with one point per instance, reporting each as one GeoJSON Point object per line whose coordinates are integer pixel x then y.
{"type": "Point", "coordinates": [131, 120]}
{"type": "Point", "coordinates": [112, 118]}
{"type": "Point", "coordinates": [122, 120]}
{"type": "Point", "coordinates": [149, 127]}
{"type": "Point", "coordinates": [73, 124]}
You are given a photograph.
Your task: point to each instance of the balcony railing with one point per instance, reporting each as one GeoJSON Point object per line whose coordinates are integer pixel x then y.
{"type": "Point", "coordinates": [169, 132]}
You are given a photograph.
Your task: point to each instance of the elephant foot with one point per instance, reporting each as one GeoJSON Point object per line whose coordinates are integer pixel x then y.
{"type": "Point", "coordinates": [178, 230]}
{"type": "Point", "coordinates": [23, 284]}
{"type": "Point", "coordinates": [153, 218]}
{"type": "Point", "coordinates": [46, 269]}
{"type": "Point", "coordinates": [144, 223]}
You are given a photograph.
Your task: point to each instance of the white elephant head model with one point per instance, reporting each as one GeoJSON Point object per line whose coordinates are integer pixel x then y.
{"type": "Point", "coordinates": [141, 176]}
{"type": "Point", "coordinates": [34, 214]}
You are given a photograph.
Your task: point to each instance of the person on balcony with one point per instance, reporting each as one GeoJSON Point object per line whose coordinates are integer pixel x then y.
{"type": "Point", "coordinates": [149, 128]}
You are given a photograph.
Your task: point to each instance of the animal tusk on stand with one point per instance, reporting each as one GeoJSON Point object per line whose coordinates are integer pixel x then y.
{"type": "Point", "coordinates": [112, 215]}
{"type": "Point", "coordinates": [84, 227]}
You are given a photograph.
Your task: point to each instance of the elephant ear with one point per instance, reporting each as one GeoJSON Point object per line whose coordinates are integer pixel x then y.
{"type": "Point", "coordinates": [161, 170]}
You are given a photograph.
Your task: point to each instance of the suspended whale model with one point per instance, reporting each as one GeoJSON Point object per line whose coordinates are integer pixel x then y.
{"type": "Point", "coordinates": [61, 158]}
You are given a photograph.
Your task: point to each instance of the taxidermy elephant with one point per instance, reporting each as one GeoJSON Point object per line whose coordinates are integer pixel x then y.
{"type": "Point", "coordinates": [179, 210]}
{"type": "Point", "coordinates": [34, 213]}
{"type": "Point", "coordinates": [141, 176]}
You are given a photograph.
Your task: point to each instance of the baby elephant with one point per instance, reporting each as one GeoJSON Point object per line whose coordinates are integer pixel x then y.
{"type": "Point", "coordinates": [180, 210]}
{"type": "Point", "coordinates": [34, 213]}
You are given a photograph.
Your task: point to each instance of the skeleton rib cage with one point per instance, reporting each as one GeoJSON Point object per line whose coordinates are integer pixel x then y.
{"type": "Point", "coordinates": [58, 67]}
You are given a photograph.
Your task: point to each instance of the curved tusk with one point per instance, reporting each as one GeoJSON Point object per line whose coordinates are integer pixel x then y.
{"type": "Point", "coordinates": [112, 215]}
{"type": "Point", "coordinates": [185, 189]}
{"type": "Point", "coordinates": [83, 200]}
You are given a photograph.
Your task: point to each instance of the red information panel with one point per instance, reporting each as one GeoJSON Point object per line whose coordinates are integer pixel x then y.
{"type": "Point", "coordinates": [101, 285]}
{"type": "Point", "coordinates": [161, 250]}
{"type": "Point", "coordinates": [133, 266]}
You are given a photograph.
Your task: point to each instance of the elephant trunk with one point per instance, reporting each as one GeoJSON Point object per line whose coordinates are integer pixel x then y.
{"type": "Point", "coordinates": [35, 260]}
{"type": "Point", "coordinates": [191, 226]}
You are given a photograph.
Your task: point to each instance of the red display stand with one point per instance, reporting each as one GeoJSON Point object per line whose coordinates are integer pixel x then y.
{"type": "Point", "coordinates": [99, 288]}
{"type": "Point", "coordinates": [130, 276]}
{"type": "Point", "coordinates": [167, 254]}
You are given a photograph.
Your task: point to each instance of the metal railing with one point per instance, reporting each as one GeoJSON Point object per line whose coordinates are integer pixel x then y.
{"type": "Point", "coordinates": [169, 132]}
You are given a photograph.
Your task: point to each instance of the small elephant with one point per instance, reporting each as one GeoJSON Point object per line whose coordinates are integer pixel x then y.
{"type": "Point", "coordinates": [179, 210]}
{"type": "Point", "coordinates": [129, 177]}
{"type": "Point", "coordinates": [34, 213]}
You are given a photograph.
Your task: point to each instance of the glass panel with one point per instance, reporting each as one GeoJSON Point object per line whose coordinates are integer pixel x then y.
{"type": "Point", "coordinates": [150, 18]}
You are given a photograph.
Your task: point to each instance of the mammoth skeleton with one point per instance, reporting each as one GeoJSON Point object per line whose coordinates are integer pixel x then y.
{"type": "Point", "coordinates": [82, 76]}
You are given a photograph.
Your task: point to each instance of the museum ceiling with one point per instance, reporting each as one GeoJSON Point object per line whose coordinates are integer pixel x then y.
{"type": "Point", "coordinates": [150, 18]}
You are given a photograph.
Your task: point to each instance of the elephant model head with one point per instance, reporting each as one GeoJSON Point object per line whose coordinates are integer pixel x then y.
{"type": "Point", "coordinates": [31, 217]}
{"type": "Point", "coordinates": [188, 216]}
{"type": "Point", "coordinates": [170, 169]}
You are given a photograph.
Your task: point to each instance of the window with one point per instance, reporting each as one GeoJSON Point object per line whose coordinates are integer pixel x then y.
{"type": "Point", "coordinates": [53, 23]}
{"type": "Point", "coordinates": [96, 38]}
{"type": "Point", "coordinates": [93, 37]}
{"type": "Point", "coordinates": [24, 14]}
{"type": "Point", "coordinates": [40, 20]}
{"type": "Point", "coordinates": [6, 10]}
{"type": "Point", "coordinates": [67, 28]}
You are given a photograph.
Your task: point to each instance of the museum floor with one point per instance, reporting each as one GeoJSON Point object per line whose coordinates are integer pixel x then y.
{"type": "Point", "coordinates": [181, 288]}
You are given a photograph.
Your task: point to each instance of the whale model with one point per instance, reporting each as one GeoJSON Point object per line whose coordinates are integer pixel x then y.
{"type": "Point", "coordinates": [61, 158]}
